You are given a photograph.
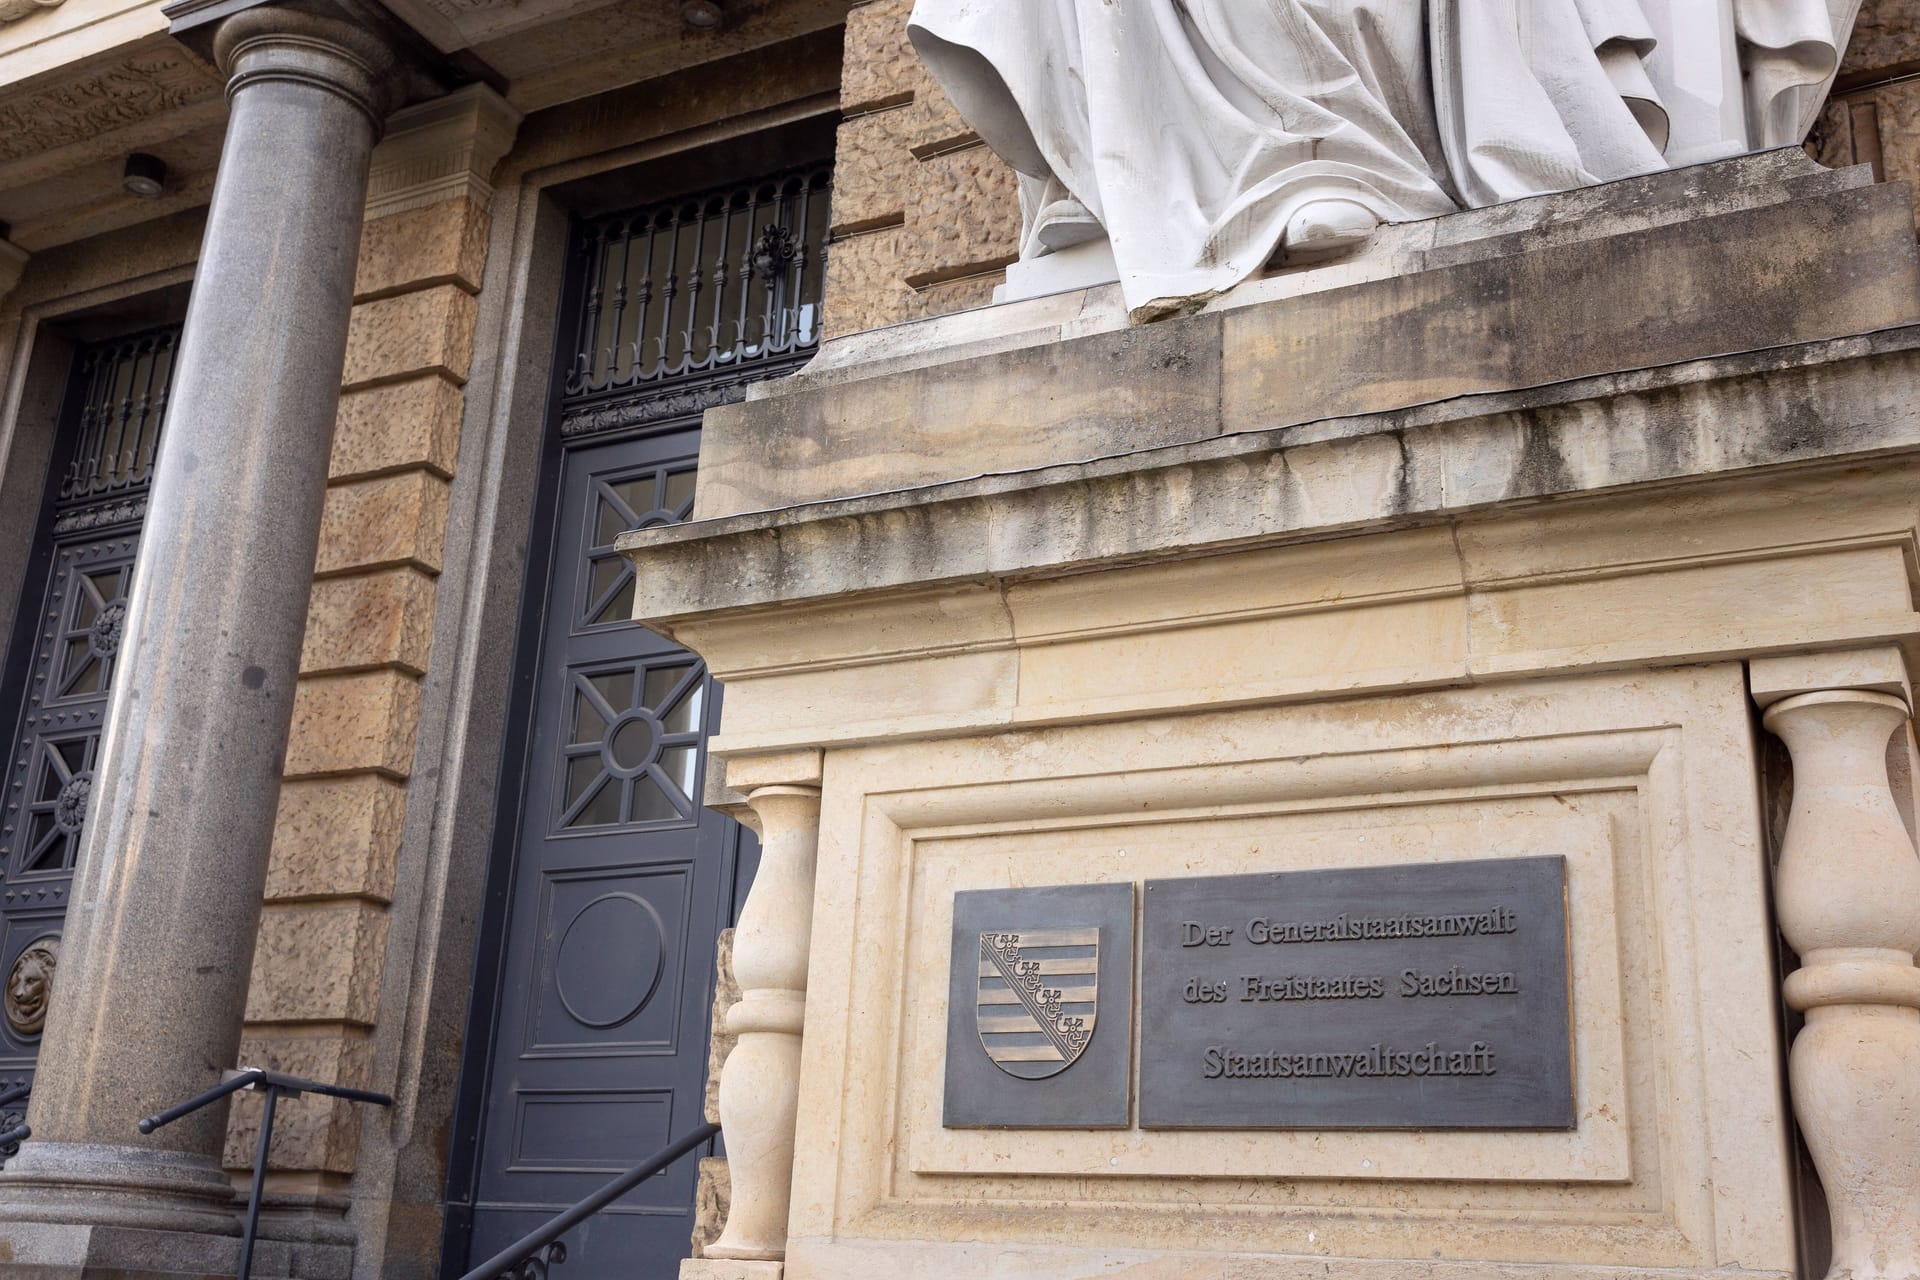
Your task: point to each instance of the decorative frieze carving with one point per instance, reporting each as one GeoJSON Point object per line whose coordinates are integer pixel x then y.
{"type": "Point", "coordinates": [109, 96]}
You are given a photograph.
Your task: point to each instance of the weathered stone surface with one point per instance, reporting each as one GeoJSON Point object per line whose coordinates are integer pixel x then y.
{"type": "Point", "coordinates": [428, 330]}
{"type": "Point", "coordinates": [881, 66]}
{"type": "Point", "coordinates": [318, 962]}
{"type": "Point", "coordinates": [726, 993]}
{"type": "Point", "coordinates": [963, 216]}
{"type": "Point", "coordinates": [1589, 282]}
{"type": "Point", "coordinates": [444, 243]}
{"type": "Point", "coordinates": [864, 285]}
{"type": "Point", "coordinates": [396, 426]}
{"type": "Point", "coordinates": [378, 619]}
{"type": "Point", "coordinates": [962, 294]}
{"type": "Point", "coordinates": [869, 162]}
{"type": "Point", "coordinates": [1790, 406]}
{"type": "Point", "coordinates": [1815, 268]}
{"type": "Point", "coordinates": [336, 838]}
{"type": "Point", "coordinates": [1111, 393]}
{"type": "Point", "coordinates": [389, 520]}
{"type": "Point", "coordinates": [351, 723]}
{"type": "Point", "coordinates": [710, 1198]}
{"type": "Point", "coordinates": [309, 1132]}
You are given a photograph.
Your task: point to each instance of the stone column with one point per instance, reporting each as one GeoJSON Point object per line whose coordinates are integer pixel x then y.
{"type": "Point", "coordinates": [760, 1082]}
{"type": "Point", "coordinates": [1847, 891]}
{"type": "Point", "coordinates": [166, 900]}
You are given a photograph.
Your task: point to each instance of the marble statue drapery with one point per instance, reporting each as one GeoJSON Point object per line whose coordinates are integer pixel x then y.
{"type": "Point", "coordinates": [1201, 135]}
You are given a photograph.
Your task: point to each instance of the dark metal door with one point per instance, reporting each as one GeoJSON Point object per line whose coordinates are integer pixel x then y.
{"type": "Point", "coordinates": [60, 666]}
{"type": "Point", "coordinates": [622, 886]}
{"type": "Point", "coordinates": [618, 882]}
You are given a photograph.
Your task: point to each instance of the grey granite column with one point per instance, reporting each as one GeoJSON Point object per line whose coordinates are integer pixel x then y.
{"type": "Point", "coordinates": [159, 939]}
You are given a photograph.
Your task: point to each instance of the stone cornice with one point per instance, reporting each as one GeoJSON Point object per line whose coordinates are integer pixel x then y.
{"type": "Point", "coordinates": [441, 149]}
{"type": "Point", "coordinates": [1830, 401]}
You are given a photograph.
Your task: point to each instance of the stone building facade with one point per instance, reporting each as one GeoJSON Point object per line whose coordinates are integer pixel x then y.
{"type": "Point", "coordinates": [357, 925]}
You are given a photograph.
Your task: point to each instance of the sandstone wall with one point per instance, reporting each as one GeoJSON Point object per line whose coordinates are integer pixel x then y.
{"type": "Point", "coordinates": [1874, 115]}
{"type": "Point", "coordinates": [925, 217]}
{"type": "Point", "coordinates": [322, 942]}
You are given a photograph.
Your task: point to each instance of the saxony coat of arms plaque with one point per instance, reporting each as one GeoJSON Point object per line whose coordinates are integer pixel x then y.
{"type": "Point", "coordinates": [1040, 1008]}
{"type": "Point", "coordinates": [1039, 996]}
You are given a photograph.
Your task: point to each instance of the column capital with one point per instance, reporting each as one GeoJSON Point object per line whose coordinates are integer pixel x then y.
{"type": "Point", "coordinates": [277, 43]}
{"type": "Point", "coordinates": [440, 149]}
{"type": "Point", "coordinates": [1879, 669]}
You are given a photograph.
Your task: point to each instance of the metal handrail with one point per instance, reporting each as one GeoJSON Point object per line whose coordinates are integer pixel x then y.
{"type": "Point", "coordinates": [276, 1086]}
{"type": "Point", "coordinates": [514, 1259]}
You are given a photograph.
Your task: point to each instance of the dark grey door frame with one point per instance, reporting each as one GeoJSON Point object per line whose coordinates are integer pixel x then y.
{"type": "Point", "coordinates": [647, 412]}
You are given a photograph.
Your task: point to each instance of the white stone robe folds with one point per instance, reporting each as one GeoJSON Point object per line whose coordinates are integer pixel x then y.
{"type": "Point", "coordinates": [1190, 131]}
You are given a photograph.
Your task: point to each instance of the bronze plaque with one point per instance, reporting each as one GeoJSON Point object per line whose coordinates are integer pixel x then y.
{"type": "Point", "coordinates": [1040, 1008]}
{"type": "Point", "coordinates": [1429, 996]}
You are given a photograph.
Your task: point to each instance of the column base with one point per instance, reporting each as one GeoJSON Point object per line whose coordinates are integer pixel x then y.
{"type": "Point", "coordinates": [730, 1269]}
{"type": "Point", "coordinates": [86, 1184]}
{"type": "Point", "coordinates": [64, 1251]}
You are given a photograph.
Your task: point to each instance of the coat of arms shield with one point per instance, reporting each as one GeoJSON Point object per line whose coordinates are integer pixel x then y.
{"type": "Point", "coordinates": [1038, 994]}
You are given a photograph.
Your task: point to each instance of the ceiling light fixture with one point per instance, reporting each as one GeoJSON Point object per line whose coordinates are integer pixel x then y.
{"type": "Point", "coordinates": [702, 15]}
{"type": "Point", "coordinates": [145, 175]}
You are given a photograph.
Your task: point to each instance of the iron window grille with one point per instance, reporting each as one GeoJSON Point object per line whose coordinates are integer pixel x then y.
{"type": "Point", "coordinates": [699, 296]}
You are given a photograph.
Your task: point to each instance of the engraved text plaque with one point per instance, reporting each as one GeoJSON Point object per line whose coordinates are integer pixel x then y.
{"type": "Point", "coordinates": [1430, 996]}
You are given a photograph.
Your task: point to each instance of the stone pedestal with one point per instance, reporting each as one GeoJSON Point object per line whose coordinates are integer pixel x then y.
{"type": "Point", "coordinates": [166, 899]}
{"type": "Point", "coordinates": [1458, 551]}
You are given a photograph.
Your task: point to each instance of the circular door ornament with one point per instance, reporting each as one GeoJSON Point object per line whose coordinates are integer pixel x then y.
{"type": "Point", "coordinates": [30, 985]}
{"type": "Point", "coordinates": [610, 960]}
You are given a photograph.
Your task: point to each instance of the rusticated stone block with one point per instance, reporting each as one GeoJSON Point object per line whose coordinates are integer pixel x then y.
{"type": "Point", "coordinates": [336, 838]}
{"type": "Point", "coordinates": [310, 1133]}
{"type": "Point", "coordinates": [395, 426]}
{"type": "Point", "coordinates": [865, 288]}
{"type": "Point", "coordinates": [388, 520]}
{"type": "Point", "coordinates": [881, 66]}
{"type": "Point", "coordinates": [354, 723]}
{"type": "Point", "coordinates": [933, 124]}
{"type": "Point", "coordinates": [379, 619]}
{"type": "Point", "coordinates": [428, 330]}
{"type": "Point", "coordinates": [711, 1198]}
{"type": "Point", "coordinates": [1886, 35]}
{"type": "Point", "coordinates": [318, 962]}
{"type": "Point", "coordinates": [720, 1041]}
{"type": "Point", "coordinates": [963, 217]}
{"type": "Point", "coordinates": [444, 243]}
{"type": "Point", "coordinates": [871, 168]}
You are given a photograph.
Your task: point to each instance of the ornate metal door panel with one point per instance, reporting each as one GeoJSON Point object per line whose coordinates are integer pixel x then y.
{"type": "Point", "coordinates": [619, 882]}
{"type": "Point", "coordinates": [60, 667]}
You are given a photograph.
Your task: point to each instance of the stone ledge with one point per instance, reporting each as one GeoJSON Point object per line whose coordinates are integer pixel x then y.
{"type": "Point", "coordinates": [1798, 404]}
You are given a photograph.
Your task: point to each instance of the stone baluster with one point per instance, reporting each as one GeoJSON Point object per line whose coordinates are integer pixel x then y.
{"type": "Point", "coordinates": [1847, 891]}
{"type": "Point", "coordinates": [760, 1082]}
